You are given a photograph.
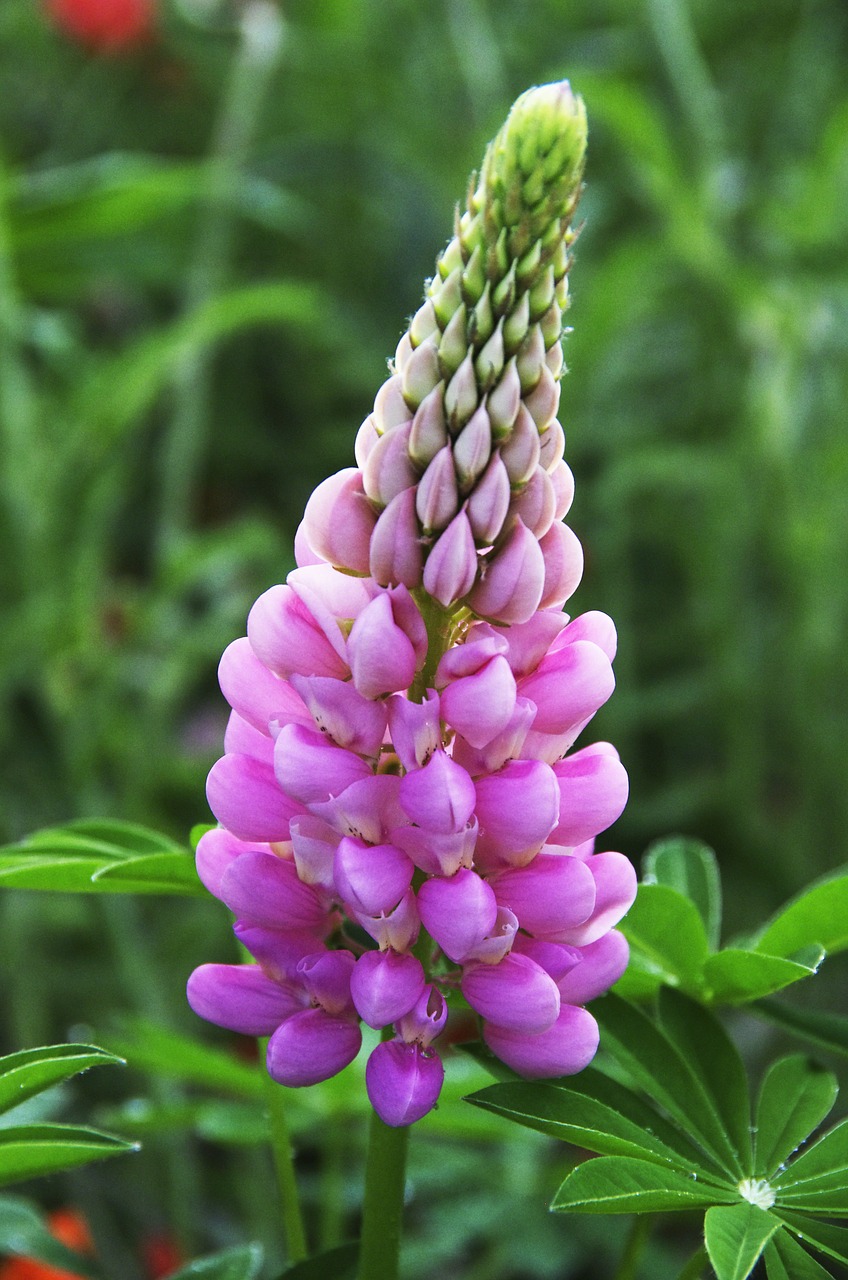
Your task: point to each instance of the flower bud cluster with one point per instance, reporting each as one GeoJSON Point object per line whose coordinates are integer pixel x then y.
{"type": "Point", "coordinates": [404, 826]}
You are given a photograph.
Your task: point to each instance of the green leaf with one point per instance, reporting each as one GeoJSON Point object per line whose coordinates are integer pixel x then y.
{"type": "Point", "coordinates": [704, 1044]}
{"type": "Point", "coordinates": [658, 1068]}
{"type": "Point", "coordinates": [825, 1159]}
{"type": "Point", "coordinates": [692, 869]}
{"type": "Point", "coordinates": [23, 1232]}
{"type": "Point", "coordinates": [586, 1121]}
{"type": "Point", "coordinates": [28, 1151]}
{"type": "Point", "coordinates": [339, 1264]}
{"type": "Point", "coordinates": [795, 1097]}
{"type": "Point", "coordinates": [786, 1260]}
{"type": "Point", "coordinates": [818, 915]}
{"type": "Point", "coordinates": [148, 1047]}
{"type": "Point", "coordinates": [830, 1030]}
{"type": "Point", "coordinates": [822, 1235]}
{"type": "Point", "coordinates": [736, 1236]}
{"type": "Point", "coordinates": [241, 1263]}
{"type": "Point", "coordinates": [735, 976]}
{"type": "Point", "coordinates": [100, 856]}
{"type": "Point", "coordinates": [621, 1184]}
{"type": "Point", "coordinates": [31, 1071]}
{"type": "Point", "coordinates": [666, 935]}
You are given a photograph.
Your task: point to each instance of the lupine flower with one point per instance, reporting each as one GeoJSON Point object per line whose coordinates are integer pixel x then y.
{"type": "Point", "coordinates": [105, 26]}
{"type": "Point", "coordinates": [404, 824]}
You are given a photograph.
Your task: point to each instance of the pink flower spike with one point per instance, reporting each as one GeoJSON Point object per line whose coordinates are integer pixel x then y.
{"type": "Point", "coordinates": [286, 638]}
{"type": "Point", "coordinates": [255, 692]}
{"type": "Point", "coordinates": [326, 976]}
{"type": "Point", "coordinates": [381, 655]}
{"type": "Point", "coordinates": [310, 769]}
{"type": "Point", "coordinates": [338, 521]}
{"type": "Point", "coordinates": [426, 1021]}
{"type": "Point", "coordinates": [244, 796]}
{"type": "Point", "coordinates": [564, 1049]}
{"type": "Point", "coordinates": [458, 913]}
{"type": "Point", "coordinates": [499, 942]}
{"type": "Point", "coordinates": [267, 891]}
{"type": "Point", "coordinates": [615, 884]}
{"type": "Point", "coordinates": [593, 792]}
{"type": "Point", "coordinates": [506, 745]}
{"type": "Point", "coordinates": [415, 728]}
{"type": "Point", "coordinates": [536, 504]}
{"type": "Point", "coordinates": [241, 998]}
{"type": "Point", "coordinates": [344, 715]}
{"type": "Point", "coordinates": [241, 739]}
{"type": "Point", "coordinates": [437, 499]}
{"type": "Point", "coordinates": [551, 895]}
{"type": "Point", "coordinates": [397, 929]}
{"type": "Point", "coordinates": [516, 995]}
{"type": "Point", "coordinates": [385, 986]}
{"type": "Point", "coordinates": [517, 809]}
{"type": "Point", "coordinates": [488, 502]}
{"type": "Point", "coordinates": [367, 810]}
{"type": "Point", "coordinates": [594, 626]}
{"type": "Point", "coordinates": [563, 556]}
{"type": "Point", "coordinates": [451, 566]}
{"type": "Point", "coordinates": [528, 642]}
{"type": "Point", "coordinates": [279, 951]}
{"type": "Point", "coordinates": [314, 844]}
{"type": "Point", "coordinates": [397, 554]}
{"type": "Point", "coordinates": [388, 469]}
{"type": "Point", "coordinates": [562, 480]}
{"type": "Point", "coordinates": [303, 553]}
{"type": "Point", "coordinates": [480, 706]}
{"type": "Point", "coordinates": [469, 658]}
{"type": "Point", "coordinates": [602, 964]}
{"type": "Point", "coordinates": [310, 1047]}
{"type": "Point", "coordinates": [438, 854]}
{"type": "Point", "coordinates": [555, 959]}
{"type": "Point", "coordinates": [216, 849]}
{"type": "Point", "coordinates": [371, 878]}
{"type": "Point", "coordinates": [440, 796]}
{"type": "Point", "coordinates": [511, 586]}
{"type": "Point", "coordinates": [403, 1082]}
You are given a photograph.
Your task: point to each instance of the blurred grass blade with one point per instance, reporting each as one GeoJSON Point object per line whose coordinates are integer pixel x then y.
{"type": "Point", "coordinates": [25, 1234]}
{"type": "Point", "coordinates": [24, 1074]}
{"type": "Point", "coordinates": [100, 856]}
{"type": "Point", "coordinates": [339, 1263]}
{"type": "Point", "coordinates": [28, 1151]}
{"type": "Point", "coordinates": [148, 1047]}
{"type": "Point", "coordinates": [241, 1263]}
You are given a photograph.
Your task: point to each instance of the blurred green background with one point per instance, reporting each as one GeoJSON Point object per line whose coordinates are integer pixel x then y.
{"type": "Point", "coordinates": [209, 243]}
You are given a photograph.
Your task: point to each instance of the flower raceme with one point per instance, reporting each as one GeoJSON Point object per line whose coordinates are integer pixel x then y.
{"type": "Point", "coordinates": [403, 822]}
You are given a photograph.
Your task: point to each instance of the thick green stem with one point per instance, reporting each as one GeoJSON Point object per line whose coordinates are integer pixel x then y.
{"type": "Point", "coordinates": [281, 1149]}
{"type": "Point", "coordinates": [694, 1268]}
{"type": "Point", "coordinates": [385, 1169]}
{"type": "Point", "coordinates": [628, 1268]}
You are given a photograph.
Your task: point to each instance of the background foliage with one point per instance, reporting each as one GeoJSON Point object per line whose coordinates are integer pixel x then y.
{"type": "Point", "coordinates": [208, 245]}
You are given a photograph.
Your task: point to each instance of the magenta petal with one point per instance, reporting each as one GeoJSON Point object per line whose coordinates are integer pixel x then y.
{"type": "Point", "coordinates": [338, 710]}
{"type": "Point", "coordinates": [615, 886]}
{"type": "Point", "coordinates": [593, 789]}
{"type": "Point", "coordinates": [241, 998]}
{"type": "Point", "coordinates": [550, 896]}
{"type": "Point", "coordinates": [397, 929]}
{"type": "Point", "coordinates": [555, 959]}
{"type": "Point", "coordinates": [381, 655]}
{"type": "Point", "coordinates": [266, 889]}
{"type": "Point", "coordinates": [310, 769]}
{"type": "Point", "coordinates": [397, 556]}
{"type": "Point", "coordinates": [482, 644]}
{"type": "Point", "coordinates": [511, 586]}
{"type": "Point", "coordinates": [415, 728]}
{"type": "Point", "coordinates": [314, 844]}
{"type": "Point", "coordinates": [569, 686]}
{"type": "Point", "coordinates": [326, 976]}
{"type": "Point", "coordinates": [366, 810]}
{"type": "Point", "coordinates": [385, 986]}
{"type": "Point", "coordinates": [403, 1082]}
{"type": "Point", "coordinates": [565, 1048]}
{"type": "Point", "coordinates": [242, 739]}
{"type": "Point", "coordinates": [338, 521]}
{"type": "Point", "coordinates": [371, 878]}
{"type": "Point", "coordinates": [245, 797]}
{"type": "Point", "coordinates": [423, 1023]}
{"type": "Point", "coordinates": [312, 1046]}
{"type": "Point", "coordinates": [499, 941]}
{"type": "Point", "coordinates": [479, 706]}
{"type": "Point", "coordinates": [603, 962]}
{"type": "Point", "coordinates": [517, 809]}
{"type": "Point", "coordinates": [438, 854]}
{"type": "Point", "coordinates": [216, 849]}
{"type": "Point", "coordinates": [516, 994]}
{"type": "Point", "coordinates": [452, 563]}
{"type": "Point", "coordinates": [440, 797]}
{"type": "Point", "coordinates": [279, 951]}
{"type": "Point", "coordinates": [595, 626]}
{"type": "Point", "coordinates": [255, 692]}
{"type": "Point", "coordinates": [286, 637]}
{"type": "Point", "coordinates": [563, 559]}
{"type": "Point", "coordinates": [458, 913]}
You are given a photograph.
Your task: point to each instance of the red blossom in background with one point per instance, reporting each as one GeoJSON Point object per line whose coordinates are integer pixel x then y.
{"type": "Point", "coordinates": [104, 26]}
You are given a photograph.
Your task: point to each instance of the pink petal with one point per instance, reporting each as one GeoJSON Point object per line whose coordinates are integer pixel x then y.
{"type": "Point", "coordinates": [309, 769]}
{"type": "Point", "coordinates": [457, 912]}
{"type": "Point", "coordinates": [480, 706]}
{"type": "Point", "coordinates": [241, 998]}
{"type": "Point", "coordinates": [338, 521]}
{"type": "Point", "coordinates": [563, 558]}
{"type": "Point", "coordinates": [286, 638]}
{"type": "Point", "coordinates": [385, 986]}
{"type": "Point", "coordinates": [397, 929]}
{"type": "Point", "coordinates": [216, 849]}
{"type": "Point", "coordinates": [381, 655]}
{"type": "Point", "coordinates": [255, 692]}
{"type": "Point", "coordinates": [615, 882]}
{"type": "Point", "coordinates": [565, 1048]}
{"type": "Point", "coordinates": [510, 587]}
{"type": "Point", "coordinates": [266, 889]}
{"type": "Point", "coordinates": [415, 728]}
{"type": "Point", "coordinates": [516, 994]}
{"type": "Point", "coordinates": [312, 1046]}
{"type": "Point", "coordinates": [422, 1024]}
{"type": "Point", "coordinates": [569, 686]}
{"type": "Point", "coordinates": [371, 878]}
{"type": "Point", "coordinates": [340, 712]}
{"type": "Point", "coordinates": [367, 810]}
{"type": "Point", "coordinates": [602, 964]}
{"type": "Point", "coordinates": [517, 809]}
{"type": "Point", "coordinates": [451, 566]}
{"type": "Point", "coordinates": [550, 896]}
{"type": "Point", "coordinates": [241, 739]}
{"type": "Point", "coordinates": [440, 796]}
{"type": "Point", "coordinates": [245, 797]}
{"type": "Point", "coordinates": [397, 553]}
{"type": "Point", "coordinates": [403, 1082]}
{"type": "Point", "coordinates": [593, 788]}
{"type": "Point", "coordinates": [326, 976]}
{"type": "Point", "coordinates": [437, 854]}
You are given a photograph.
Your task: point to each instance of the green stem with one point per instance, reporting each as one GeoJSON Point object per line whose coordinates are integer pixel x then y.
{"type": "Point", "coordinates": [694, 1268]}
{"type": "Point", "coordinates": [628, 1268]}
{"type": "Point", "coordinates": [379, 1250]}
{"type": "Point", "coordinates": [281, 1149]}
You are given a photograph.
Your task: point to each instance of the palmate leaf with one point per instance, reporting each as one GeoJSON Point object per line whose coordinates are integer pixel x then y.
{"type": "Point", "coordinates": [691, 868]}
{"type": "Point", "coordinates": [736, 1236]}
{"type": "Point", "coordinates": [31, 1071]}
{"type": "Point", "coordinates": [822, 1168]}
{"type": "Point", "coordinates": [28, 1151]}
{"type": "Point", "coordinates": [818, 915]}
{"type": "Point", "coordinates": [736, 976]}
{"type": "Point", "coordinates": [241, 1263]}
{"type": "Point", "coordinates": [795, 1097]}
{"type": "Point", "coordinates": [786, 1260]}
{"type": "Point", "coordinates": [656, 1065]}
{"type": "Point", "coordinates": [622, 1184]}
{"type": "Point", "coordinates": [100, 857]}
{"type": "Point", "coordinates": [667, 938]}
{"type": "Point", "coordinates": [830, 1030]}
{"type": "Point", "coordinates": [825, 1236]}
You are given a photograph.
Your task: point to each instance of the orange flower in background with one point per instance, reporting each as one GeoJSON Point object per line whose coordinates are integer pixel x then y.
{"type": "Point", "coordinates": [71, 1229]}
{"type": "Point", "coordinates": [104, 26]}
